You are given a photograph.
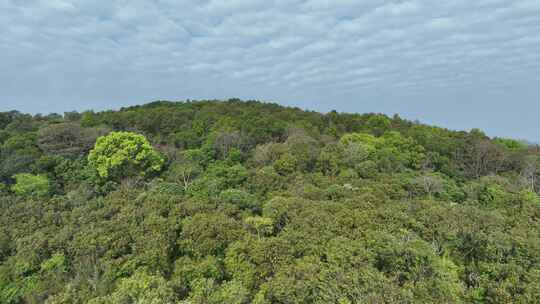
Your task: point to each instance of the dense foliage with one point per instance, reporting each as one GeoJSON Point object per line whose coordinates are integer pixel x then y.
{"type": "Point", "coordinates": [123, 154]}
{"type": "Point", "coordinates": [246, 202]}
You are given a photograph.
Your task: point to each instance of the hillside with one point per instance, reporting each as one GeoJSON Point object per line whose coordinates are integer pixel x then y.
{"type": "Point", "coordinates": [249, 202]}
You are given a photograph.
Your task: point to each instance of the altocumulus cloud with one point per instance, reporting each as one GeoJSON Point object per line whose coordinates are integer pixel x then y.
{"type": "Point", "coordinates": [433, 60]}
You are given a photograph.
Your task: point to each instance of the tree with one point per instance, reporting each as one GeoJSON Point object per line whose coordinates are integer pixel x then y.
{"type": "Point", "coordinates": [225, 142]}
{"type": "Point", "coordinates": [239, 198]}
{"type": "Point", "coordinates": [511, 144]}
{"type": "Point", "coordinates": [268, 153]}
{"type": "Point", "coordinates": [89, 119]}
{"type": "Point", "coordinates": [209, 233]}
{"type": "Point", "coordinates": [5, 119]}
{"type": "Point", "coordinates": [184, 171]}
{"type": "Point", "coordinates": [481, 156]}
{"type": "Point", "coordinates": [286, 164]}
{"type": "Point", "coordinates": [231, 292]}
{"type": "Point", "coordinates": [429, 184]}
{"type": "Point", "coordinates": [68, 138]}
{"type": "Point", "coordinates": [378, 124]}
{"type": "Point", "coordinates": [17, 154]}
{"type": "Point", "coordinates": [263, 226]}
{"type": "Point", "coordinates": [72, 116]}
{"type": "Point", "coordinates": [530, 172]}
{"type": "Point", "coordinates": [31, 186]}
{"type": "Point", "coordinates": [303, 148]}
{"type": "Point", "coordinates": [124, 154]}
{"type": "Point", "coordinates": [21, 123]}
{"type": "Point", "coordinates": [138, 289]}
{"type": "Point", "coordinates": [391, 152]}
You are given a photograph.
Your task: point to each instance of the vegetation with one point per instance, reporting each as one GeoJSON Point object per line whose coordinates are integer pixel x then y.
{"type": "Point", "coordinates": [124, 154]}
{"type": "Point", "coordinates": [31, 186]}
{"type": "Point", "coordinates": [246, 202]}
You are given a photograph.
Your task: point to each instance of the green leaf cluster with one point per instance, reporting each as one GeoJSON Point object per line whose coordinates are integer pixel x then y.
{"type": "Point", "coordinates": [124, 154]}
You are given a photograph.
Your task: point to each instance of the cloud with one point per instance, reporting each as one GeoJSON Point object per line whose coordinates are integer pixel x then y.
{"type": "Point", "coordinates": [442, 24]}
{"type": "Point", "coordinates": [71, 53]}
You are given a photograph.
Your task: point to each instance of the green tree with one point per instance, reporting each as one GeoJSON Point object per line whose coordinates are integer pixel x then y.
{"type": "Point", "coordinates": [89, 119]}
{"type": "Point", "coordinates": [263, 226]}
{"type": "Point", "coordinates": [378, 124]}
{"type": "Point", "coordinates": [5, 119]}
{"type": "Point", "coordinates": [239, 198]}
{"type": "Point", "coordinates": [287, 164]}
{"type": "Point", "coordinates": [124, 154]}
{"type": "Point", "coordinates": [31, 186]}
{"type": "Point", "coordinates": [232, 292]}
{"type": "Point", "coordinates": [140, 288]}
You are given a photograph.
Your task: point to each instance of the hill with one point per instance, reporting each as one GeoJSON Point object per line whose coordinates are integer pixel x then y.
{"type": "Point", "coordinates": [249, 202]}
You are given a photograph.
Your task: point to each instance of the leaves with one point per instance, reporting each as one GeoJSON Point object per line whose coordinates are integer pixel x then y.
{"type": "Point", "coordinates": [245, 202]}
{"type": "Point", "coordinates": [124, 154]}
{"type": "Point", "coordinates": [31, 186]}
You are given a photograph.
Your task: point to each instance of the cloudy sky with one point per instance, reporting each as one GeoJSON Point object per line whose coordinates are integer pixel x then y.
{"type": "Point", "coordinates": [454, 63]}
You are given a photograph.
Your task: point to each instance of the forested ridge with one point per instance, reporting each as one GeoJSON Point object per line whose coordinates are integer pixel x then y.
{"type": "Point", "coordinates": [249, 202]}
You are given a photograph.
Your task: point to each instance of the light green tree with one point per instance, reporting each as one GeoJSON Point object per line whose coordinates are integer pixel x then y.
{"type": "Point", "coordinates": [31, 186]}
{"type": "Point", "coordinates": [124, 154]}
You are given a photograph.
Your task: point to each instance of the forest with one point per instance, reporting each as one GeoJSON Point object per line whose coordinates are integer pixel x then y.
{"type": "Point", "coordinates": [231, 201]}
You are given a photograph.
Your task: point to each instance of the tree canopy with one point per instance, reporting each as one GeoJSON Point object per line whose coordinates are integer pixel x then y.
{"type": "Point", "coordinates": [248, 202]}
{"type": "Point", "coordinates": [32, 186]}
{"type": "Point", "coordinates": [124, 154]}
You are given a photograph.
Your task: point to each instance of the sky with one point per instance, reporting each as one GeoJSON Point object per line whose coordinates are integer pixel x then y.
{"type": "Point", "coordinates": [459, 64]}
